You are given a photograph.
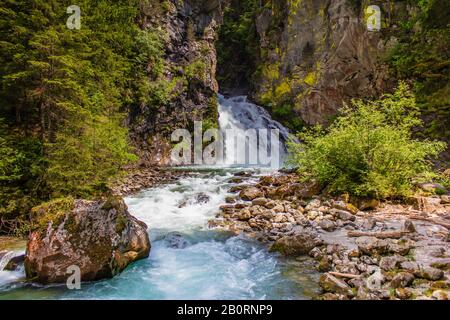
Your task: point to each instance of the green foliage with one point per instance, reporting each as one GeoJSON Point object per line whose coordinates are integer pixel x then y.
{"type": "Point", "coordinates": [237, 47]}
{"type": "Point", "coordinates": [422, 55]}
{"type": "Point", "coordinates": [369, 149]}
{"type": "Point", "coordinates": [64, 94]}
{"type": "Point", "coordinates": [52, 211]}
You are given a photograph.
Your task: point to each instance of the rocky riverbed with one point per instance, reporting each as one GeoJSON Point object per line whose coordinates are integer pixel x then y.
{"type": "Point", "coordinates": [365, 249]}
{"type": "Point", "coordinates": [139, 179]}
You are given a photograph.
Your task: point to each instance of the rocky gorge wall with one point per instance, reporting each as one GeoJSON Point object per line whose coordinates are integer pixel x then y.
{"type": "Point", "coordinates": [315, 54]}
{"type": "Point", "coordinates": [186, 86]}
{"type": "Point", "coordinates": [300, 59]}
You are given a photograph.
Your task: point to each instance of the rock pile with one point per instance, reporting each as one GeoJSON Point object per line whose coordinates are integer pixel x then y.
{"type": "Point", "coordinates": [384, 253]}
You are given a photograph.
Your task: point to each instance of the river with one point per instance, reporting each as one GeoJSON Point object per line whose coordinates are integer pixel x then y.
{"type": "Point", "coordinates": [188, 260]}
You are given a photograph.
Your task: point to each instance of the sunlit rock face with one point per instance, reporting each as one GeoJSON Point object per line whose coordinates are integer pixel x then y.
{"type": "Point", "coordinates": [317, 54]}
{"type": "Point", "coordinates": [98, 238]}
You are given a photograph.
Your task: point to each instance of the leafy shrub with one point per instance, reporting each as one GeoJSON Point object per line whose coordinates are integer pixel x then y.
{"type": "Point", "coordinates": [369, 149]}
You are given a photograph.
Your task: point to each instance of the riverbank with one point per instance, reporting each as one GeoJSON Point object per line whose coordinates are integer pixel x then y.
{"type": "Point", "coordinates": [365, 249]}
{"type": "Point", "coordinates": [137, 179]}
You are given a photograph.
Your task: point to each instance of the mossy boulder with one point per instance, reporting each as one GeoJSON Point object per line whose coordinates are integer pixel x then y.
{"type": "Point", "coordinates": [99, 237]}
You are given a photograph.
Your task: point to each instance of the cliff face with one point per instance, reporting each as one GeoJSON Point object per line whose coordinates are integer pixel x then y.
{"type": "Point", "coordinates": [189, 68]}
{"type": "Point", "coordinates": [301, 59]}
{"type": "Point", "coordinates": [315, 54]}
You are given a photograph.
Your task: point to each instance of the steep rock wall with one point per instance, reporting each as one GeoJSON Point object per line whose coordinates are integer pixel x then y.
{"type": "Point", "coordinates": [189, 33]}
{"type": "Point", "coordinates": [317, 54]}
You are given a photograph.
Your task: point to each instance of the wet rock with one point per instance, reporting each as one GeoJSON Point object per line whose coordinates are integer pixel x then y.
{"type": "Point", "coordinates": [347, 267]}
{"type": "Point", "coordinates": [327, 225]}
{"type": "Point", "coordinates": [362, 267]}
{"type": "Point", "coordinates": [375, 281]}
{"type": "Point", "coordinates": [250, 193]}
{"type": "Point", "coordinates": [369, 224]}
{"type": "Point", "coordinates": [260, 202]}
{"type": "Point", "coordinates": [236, 189]}
{"type": "Point", "coordinates": [176, 240]}
{"type": "Point", "coordinates": [408, 226]}
{"type": "Point", "coordinates": [227, 208]}
{"type": "Point", "coordinates": [341, 205]}
{"type": "Point", "coordinates": [244, 215]}
{"type": "Point", "coordinates": [429, 273]}
{"type": "Point", "coordinates": [431, 187]}
{"type": "Point", "coordinates": [202, 198]}
{"type": "Point", "coordinates": [403, 293]}
{"type": "Point", "coordinates": [332, 249]}
{"type": "Point", "coordinates": [324, 265]}
{"type": "Point", "coordinates": [315, 253]}
{"type": "Point", "coordinates": [332, 284]}
{"type": "Point", "coordinates": [364, 294]}
{"type": "Point", "coordinates": [368, 204]}
{"type": "Point", "coordinates": [312, 205]}
{"type": "Point", "coordinates": [391, 262]}
{"type": "Point", "coordinates": [441, 295]}
{"type": "Point", "coordinates": [343, 215]}
{"type": "Point", "coordinates": [15, 262]}
{"type": "Point", "coordinates": [368, 260]}
{"type": "Point", "coordinates": [402, 279]}
{"type": "Point", "coordinates": [230, 200]}
{"type": "Point", "coordinates": [245, 174]}
{"type": "Point", "coordinates": [442, 265]}
{"type": "Point", "coordinates": [401, 247]}
{"type": "Point", "coordinates": [296, 245]}
{"type": "Point", "coordinates": [333, 297]}
{"type": "Point", "coordinates": [101, 238]}
{"type": "Point", "coordinates": [307, 191]}
{"type": "Point", "coordinates": [357, 283]}
{"type": "Point", "coordinates": [266, 181]}
{"type": "Point", "coordinates": [241, 206]}
{"type": "Point", "coordinates": [445, 199]}
{"type": "Point", "coordinates": [354, 253]}
{"type": "Point", "coordinates": [409, 266]}
{"type": "Point", "coordinates": [372, 245]}
{"type": "Point", "coordinates": [278, 208]}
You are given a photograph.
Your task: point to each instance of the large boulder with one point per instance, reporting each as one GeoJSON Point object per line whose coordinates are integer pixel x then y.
{"type": "Point", "coordinates": [299, 244]}
{"type": "Point", "coordinates": [372, 245]}
{"type": "Point", "coordinates": [101, 238]}
{"type": "Point", "coordinates": [251, 193]}
{"type": "Point", "coordinates": [330, 283]}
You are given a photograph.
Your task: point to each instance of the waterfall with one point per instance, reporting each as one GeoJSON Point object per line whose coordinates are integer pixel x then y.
{"type": "Point", "coordinates": [6, 258]}
{"type": "Point", "coordinates": [237, 114]}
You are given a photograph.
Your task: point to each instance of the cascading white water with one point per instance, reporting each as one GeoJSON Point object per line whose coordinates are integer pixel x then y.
{"type": "Point", "coordinates": [238, 114]}
{"type": "Point", "coordinates": [9, 276]}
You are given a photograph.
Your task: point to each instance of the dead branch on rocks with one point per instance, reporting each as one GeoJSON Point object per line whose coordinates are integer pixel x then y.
{"type": "Point", "coordinates": [344, 275]}
{"type": "Point", "coordinates": [379, 235]}
{"type": "Point", "coordinates": [431, 220]}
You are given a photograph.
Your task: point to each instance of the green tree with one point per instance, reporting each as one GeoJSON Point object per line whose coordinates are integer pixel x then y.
{"type": "Point", "coordinates": [369, 149]}
{"type": "Point", "coordinates": [64, 95]}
